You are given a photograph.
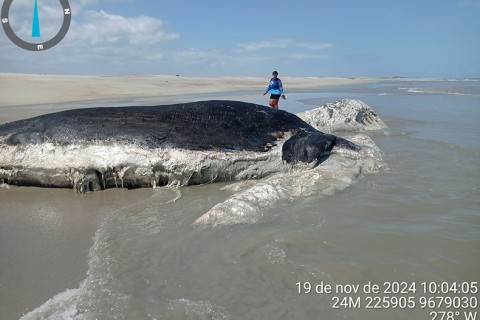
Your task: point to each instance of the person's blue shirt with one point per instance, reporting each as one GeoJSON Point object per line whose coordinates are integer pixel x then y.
{"type": "Point", "coordinates": [275, 86]}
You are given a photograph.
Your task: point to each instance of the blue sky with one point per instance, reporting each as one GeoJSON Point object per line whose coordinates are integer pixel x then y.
{"type": "Point", "coordinates": [345, 38]}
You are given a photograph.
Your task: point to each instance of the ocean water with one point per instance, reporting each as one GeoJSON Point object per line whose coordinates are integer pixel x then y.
{"type": "Point", "coordinates": [411, 229]}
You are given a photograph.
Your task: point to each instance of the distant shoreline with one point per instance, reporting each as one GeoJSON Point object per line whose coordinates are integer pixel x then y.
{"type": "Point", "coordinates": [33, 89]}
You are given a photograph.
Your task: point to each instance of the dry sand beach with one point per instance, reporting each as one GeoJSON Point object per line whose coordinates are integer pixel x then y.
{"type": "Point", "coordinates": [29, 89]}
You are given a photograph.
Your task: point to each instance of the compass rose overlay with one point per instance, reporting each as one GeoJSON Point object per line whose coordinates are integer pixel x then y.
{"type": "Point", "coordinates": [67, 18]}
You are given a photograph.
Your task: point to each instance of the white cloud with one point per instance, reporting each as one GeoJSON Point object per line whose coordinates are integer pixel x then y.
{"type": "Point", "coordinates": [307, 56]}
{"type": "Point", "coordinates": [104, 29]}
{"type": "Point", "coordinates": [284, 43]}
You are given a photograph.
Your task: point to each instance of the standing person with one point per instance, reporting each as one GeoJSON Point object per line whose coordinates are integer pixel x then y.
{"type": "Point", "coordinates": [275, 87]}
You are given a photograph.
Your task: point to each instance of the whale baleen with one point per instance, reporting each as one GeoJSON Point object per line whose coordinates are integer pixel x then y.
{"type": "Point", "coordinates": [181, 144]}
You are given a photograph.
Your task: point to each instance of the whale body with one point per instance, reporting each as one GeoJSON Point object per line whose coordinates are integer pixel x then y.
{"type": "Point", "coordinates": [181, 144]}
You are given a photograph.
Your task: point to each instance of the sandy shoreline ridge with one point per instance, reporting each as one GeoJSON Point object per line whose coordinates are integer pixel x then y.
{"type": "Point", "coordinates": [32, 89]}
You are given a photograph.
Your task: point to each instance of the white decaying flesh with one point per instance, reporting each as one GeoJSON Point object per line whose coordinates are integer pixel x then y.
{"type": "Point", "coordinates": [343, 115]}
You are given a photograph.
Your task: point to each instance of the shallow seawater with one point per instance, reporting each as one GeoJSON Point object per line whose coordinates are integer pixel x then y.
{"type": "Point", "coordinates": [417, 222]}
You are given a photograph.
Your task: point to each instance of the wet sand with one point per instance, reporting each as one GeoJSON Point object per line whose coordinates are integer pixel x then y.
{"type": "Point", "coordinates": [45, 237]}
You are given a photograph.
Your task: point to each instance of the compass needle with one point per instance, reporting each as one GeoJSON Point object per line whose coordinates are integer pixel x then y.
{"type": "Point", "coordinates": [36, 22]}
